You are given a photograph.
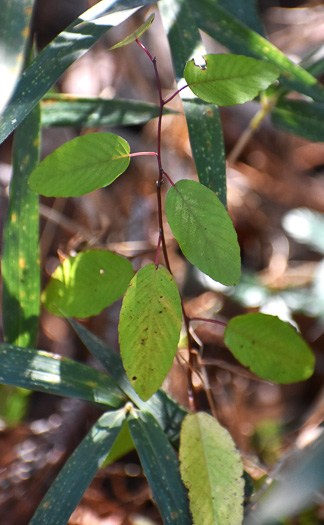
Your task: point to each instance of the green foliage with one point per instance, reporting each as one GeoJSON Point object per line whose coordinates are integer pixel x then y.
{"type": "Point", "coordinates": [152, 309]}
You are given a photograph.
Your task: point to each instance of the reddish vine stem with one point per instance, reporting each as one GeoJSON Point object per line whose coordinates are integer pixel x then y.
{"type": "Point", "coordinates": [161, 240]}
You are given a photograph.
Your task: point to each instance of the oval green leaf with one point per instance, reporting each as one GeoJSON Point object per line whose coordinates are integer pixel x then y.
{"type": "Point", "coordinates": [136, 34]}
{"type": "Point", "coordinates": [149, 328]}
{"type": "Point", "coordinates": [227, 80]}
{"type": "Point", "coordinates": [82, 165]}
{"type": "Point", "coordinates": [204, 231]}
{"type": "Point", "coordinates": [86, 284]}
{"type": "Point", "coordinates": [212, 470]}
{"type": "Point", "coordinates": [271, 348]}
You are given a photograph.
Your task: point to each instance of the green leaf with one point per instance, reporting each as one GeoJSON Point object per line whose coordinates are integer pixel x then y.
{"type": "Point", "coordinates": [69, 110]}
{"type": "Point", "coordinates": [227, 80]}
{"type": "Point", "coordinates": [78, 472]}
{"type": "Point", "coordinates": [244, 10]}
{"type": "Point", "coordinates": [204, 231]}
{"type": "Point", "coordinates": [122, 446]}
{"type": "Point", "coordinates": [54, 374]}
{"type": "Point", "coordinates": [271, 348]}
{"type": "Point", "coordinates": [301, 118]}
{"type": "Point", "coordinates": [207, 144]}
{"type": "Point", "coordinates": [136, 34]}
{"type": "Point", "coordinates": [55, 58]}
{"type": "Point", "coordinates": [20, 253]}
{"type": "Point", "coordinates": [220, 24]}
{"type": "Point", "coordinates": [161, 467]}
{"type": "Point", "coordinates": [86, 284]}
{"type": "Point", "coordinates": [14, 37]}
{"type": "Point", "coordinates": [212, 470]}
{"type": "Point", "coordinates": [149, 328]}
{"type": "Point", "coordinates": [82, 165]}
{"type": "Point", "coordinates": [166, 411]}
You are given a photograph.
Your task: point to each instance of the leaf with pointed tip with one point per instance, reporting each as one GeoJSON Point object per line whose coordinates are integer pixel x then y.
{"type": "Point", "coordinates": [212, 470]}
{"type": "Point", "coordinates": [204, 231]}
{"type": "Point", "coordinates": [149, 328]}
{"type": "Point", "coordinates": [136, 34]}
{"type": "Point", "coordinates": [86, 284]}
{"type": "Point", "coordinates": [227, 80]}
{"type": "Point", "coordinates": [271, 348]}
{"type": "Point", "coordinates": [82, 165]}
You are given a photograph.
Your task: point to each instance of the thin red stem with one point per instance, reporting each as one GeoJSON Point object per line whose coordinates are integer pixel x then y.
{"type": "Point", "coordinates": [175, 94]}
{"type": "Point", "coordinates": [140, 153]}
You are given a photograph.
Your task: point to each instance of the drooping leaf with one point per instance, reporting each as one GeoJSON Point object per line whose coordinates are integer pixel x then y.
{"type": "Point", "coordinates": [14, 36]}
{"type": "Point", "coordinates": [212, 471]}
{"type": "Point", "coordinates": [149, 328]}
{"type": "Point", "coordinates": [161, 467]}
{"type": "Point", "coordinates": [86, 284]}
{"type": "Point", "coordinates": [271, 348]}
{"type": "Point", "coordinates": [82, 165]}
{"type": "Point", "coordinates": [55, 58]}
{"type": "Point", "coordinates": [301, 118]}
{"type": "Point", "coordinates": [227, 80]}
{"type": "Point", "coordinates": [78, 472]}
{"type": "Point", "coordinates": [54, 374]}
{"type": "Point", "coordinates": [20, 253]}
{"type": "Point", "coordinates": [227, 29]}
{"type": "Point", "coordinates": [68, 110]}
{"type": "Point", "coordinates": [204, 231]}
{"type": "Point", "coordinates": [166, 411]}
{"type": "Point", "coordinates": [136, 34]}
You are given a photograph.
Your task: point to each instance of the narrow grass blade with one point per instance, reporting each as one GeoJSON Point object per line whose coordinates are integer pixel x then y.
{"type": "Point", "coordinates": [68, 110]}
{"type": "Point", "coordinates": [45, 372]}
{"type": "Point", "coordinates": [161, 467]}
{"type": "Point", "coordinates": [305, 119]}
{"type": "Point", "coordinates": [78, 472]}
{"type": "Point", "coordinates": [14, 37]}
{"type": "Point", "coordinates": [20, 255]}
{"type": "Point", "coordinates": [246, 11]}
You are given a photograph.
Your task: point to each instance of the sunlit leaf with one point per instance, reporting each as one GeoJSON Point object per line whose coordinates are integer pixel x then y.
{"type": "Point", "coordinates": [161, 467]}
{"type": "Point", "coordinates": [204, 231]}
{"type": "Point", "coordinates": [271, 348]}
{"type": "Point", "coordinates": [149, 328]}
{"type": "Point", "coordinates": [82, 165]}
{"type": "Point", "coordinates": [136, 34]}
{"type": "Point", "coordinates": [227, 80]}
{"type": "Point", "coordinates": [212, 471]}
{"type": "Point", "coordinates": [86, 284]}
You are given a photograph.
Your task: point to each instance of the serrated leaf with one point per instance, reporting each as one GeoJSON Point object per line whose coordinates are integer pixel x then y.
{"type": "Point", "coordinates": [161, 467]}
{"type": "Point", "coordinates": [82, 165]}
{"type": "Point", "coordinates": [20, 262]}
{"type": "Point", "coordinates": [204, 231]}
{"type": "Point", "coordinates": [149, 328]}
{"type": "Point", "coordinates": [86, 284]}
{"type": "Point", "coordinates": [54, 374]}
{"type": "Point", "coordinates": [78, 472]}
{"type": "Point", "coordinates": [305, 119]}
{"type": "Point", "coordinates": [271, 348]}
{"type": "Point", "coordinates": [227, 80]}
{"type": "Point", "coordinates": [136, 34]}
{"type": "Point", "coordinates": [69, 110]}
{"type": "Point", "coordinates": [212, 471]}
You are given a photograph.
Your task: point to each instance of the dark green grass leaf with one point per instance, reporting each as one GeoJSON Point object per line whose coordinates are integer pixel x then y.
{"type": "Point", "coordinates": [20, 253]}
{"type": "Point", "coordinates": [161, 467]}
{"type": "Point", "coordinates": [220, 24]}
{"type": "Point", "coordinates": [305, 119]}
{"type": "Point", "coordinates": [86, 284]}
{"type": "Point", "coordinates": [14, 36]}
{"type": "Point", "coordinates": [68, 110]}
{"type": "Point", "coordinates": [166, 411]}
{"type": "Point", "coordinates": [55, 58]}
{"type": "Point", "coordinates": [149, 328]}
{"type": "Point", "coordinates": [244, 10]}
{"type": "Point", "coordinates": [212, 470]}
{"type": "Point", "coordinates": [204, 231]}
{"type": "Point", "coordinates": [227, 80]}
{"type": "Point", "coordinates": [78, 472]}
{"type": "Point", "coordinates": [82, 165]}
{"type": "Point", "coordinates": [271, 348]}
{"type": "Point", "coordinates": [45, 372]}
